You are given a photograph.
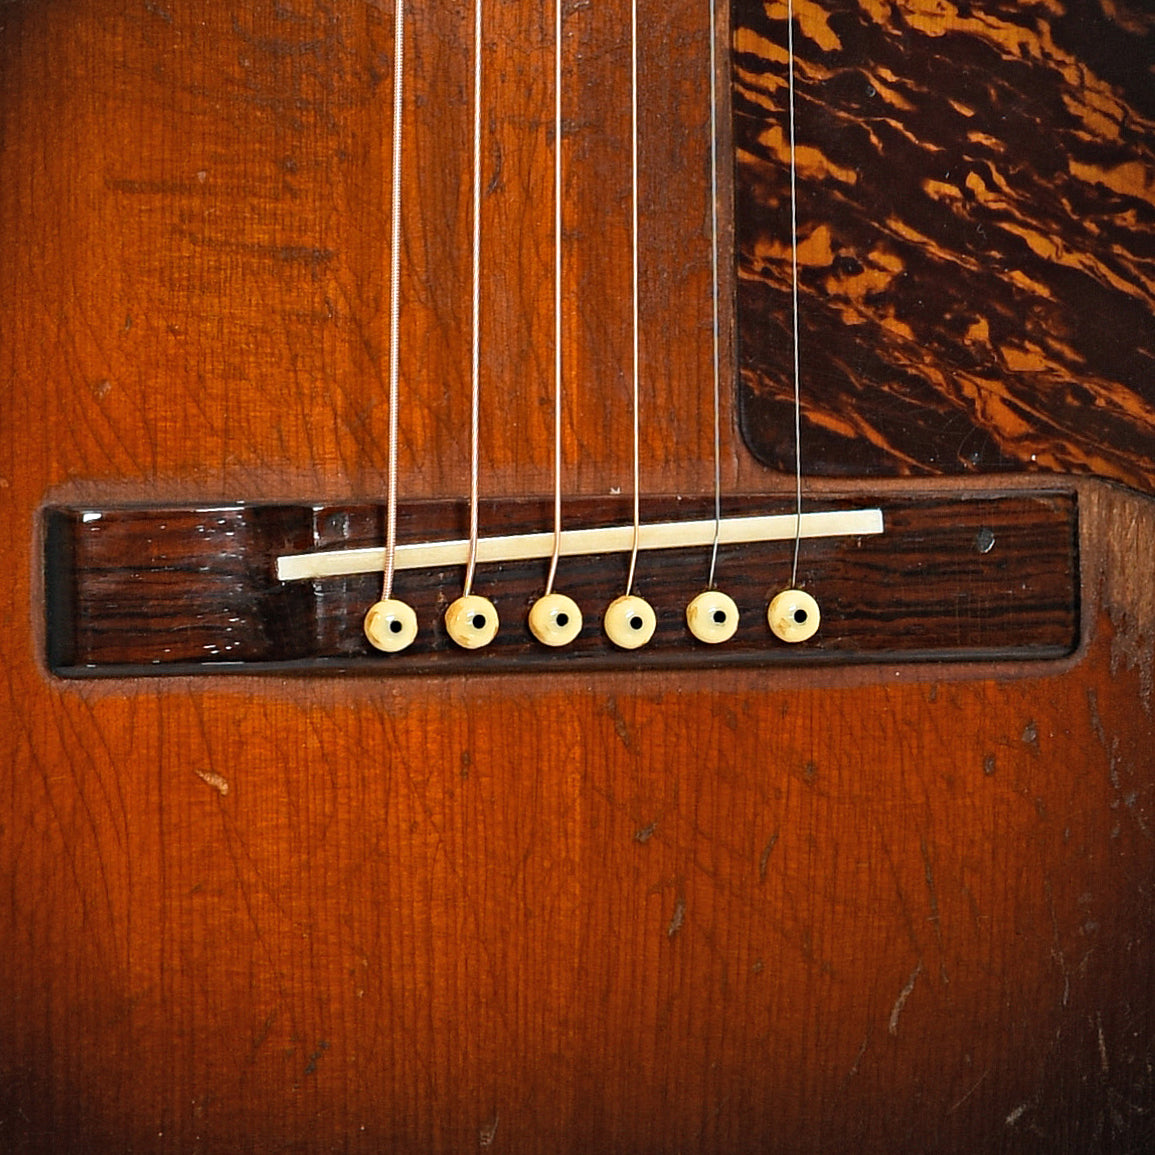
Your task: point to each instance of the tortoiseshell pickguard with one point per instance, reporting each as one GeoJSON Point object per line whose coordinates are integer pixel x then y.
{"type": "Point", "coordinates": [976, 224]}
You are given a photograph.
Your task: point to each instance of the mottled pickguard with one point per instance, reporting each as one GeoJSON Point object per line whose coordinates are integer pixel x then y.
{"type": "Point", "coordinates": [976, 226]}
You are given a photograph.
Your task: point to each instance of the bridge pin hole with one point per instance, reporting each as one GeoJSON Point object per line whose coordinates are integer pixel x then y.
{"type": "Point", "coordinates": [630, 622]}
{"type": "Point", "coordinates": [472, 622]}
{"type": "Point", "coordinates": [793, 616]}
{"type": "Point", "coordinates": [555, 620]}
{"type": "Point", "coordinates": [712, 617]}
{"type": "Point", "coordinates": [390, 625]}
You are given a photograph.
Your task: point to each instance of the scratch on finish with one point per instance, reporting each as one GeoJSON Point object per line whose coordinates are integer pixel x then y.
{"type": "Point", "coordinates": [764, 860]}
{"type": "Point", "coordinates": [903, 995]}
{"type": "Point", "coordinates": [858, 1058]}
{"type": "Point", "coordinates": [486, 1134]}
{"type": "Point", "coordinates": [1016, 1114]}
{"type": "Point", "coordinates": [973, 1088]}
{"type": "Point", "coordinates": [1057, 949]}
{"type": "Point", "coordinates": [1115, 763]}
{"type": "Point", "coordinates": [646, 833]}
{"type": "Point", "coordinates": [1102, 1046]}
{"type": "Point", "coordinates": [215, 780]}
{"type": "Point", "coordinates": [932, 894]}
{"type": "Point", "coordinates": [1128, 595]}
{"type": "Point", "coordinates": [620, 727]}
{"type": "Point", "coordinates": [678, 918]}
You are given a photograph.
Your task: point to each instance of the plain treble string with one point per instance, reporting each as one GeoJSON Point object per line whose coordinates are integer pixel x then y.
{"type": "Point", "coordinates": [793, 614]}
{"type": "Point", "coordinates": [712, 616]}
{"type": "Point", "coordinates": [630, 620]}
{"type": "Point", "coordinates": [634, 284]}
{"type": "Point", "coordinates": [475, 344]}
{"type": "Point", "coordinates": [395, 296]}
{"type": "Point", "coordinates": [557, 290]}
{"type": "Point", "coordinates": [714, 320]}
{"type": "Point", "coordinates": [555, 619]}
{"type": "Point", "coordinates": [794, 292]}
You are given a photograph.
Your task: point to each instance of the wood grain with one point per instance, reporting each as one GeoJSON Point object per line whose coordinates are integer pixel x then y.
{"type": "Point", "coordinates": [717, 911]}
{"type": "Point", "coordinates": [876, 909]}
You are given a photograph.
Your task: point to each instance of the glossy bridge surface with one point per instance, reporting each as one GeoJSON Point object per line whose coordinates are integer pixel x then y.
{"type": "Point", "coordinates": [154, 591]}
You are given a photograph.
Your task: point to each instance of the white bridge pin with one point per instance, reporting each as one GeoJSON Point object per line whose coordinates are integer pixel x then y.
{"type": "Point", "coordinates": [712, 617]}
{"type": "Point", "coordinates": [794, 616]}
{"type": "Point", "coordinates": [472, 621]}
{"type": "Point", "coordinates": [391, 625]}
{"type": "Point", "coordinates": [555, 620]}
{"type": "Point", "coordinates": [630, 622]}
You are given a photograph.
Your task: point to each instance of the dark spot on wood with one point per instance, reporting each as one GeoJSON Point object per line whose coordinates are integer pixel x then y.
{"type": "Point", "coordinates": [620, 727]}
{"type": "Point", "coordinates": [765, 859]}
{"type": "Point", "coordinates": [315, 1057]}
{"type": "Point", "coordinates": [303, 254]}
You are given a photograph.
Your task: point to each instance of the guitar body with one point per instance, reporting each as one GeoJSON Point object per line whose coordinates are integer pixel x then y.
{"type": "Point", "coordinates": [869, 906]}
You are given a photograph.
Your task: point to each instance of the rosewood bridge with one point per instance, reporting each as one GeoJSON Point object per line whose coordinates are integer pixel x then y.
{"type": "Point", "coordinates": [253, 588]}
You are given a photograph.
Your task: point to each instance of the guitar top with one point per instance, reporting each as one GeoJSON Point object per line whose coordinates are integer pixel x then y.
{"type": "Point", "coordinates": [885, 889]}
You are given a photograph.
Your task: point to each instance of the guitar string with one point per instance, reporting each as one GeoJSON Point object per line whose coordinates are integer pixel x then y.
{"type": "Point", "coordinates": [475, 350]}
{"type": "Point", "coordinates": [394, 322]}
{"type": "Point", "coordinates": [394, 300]}
{"type": "Point", "coordinates": [794, 296]}
{"type": "Point", "coordinates": [557, 298]}
{"type": "Point", "coordinates": [714, 293]}
{"type": "Point", "coordinates": [634, 281]}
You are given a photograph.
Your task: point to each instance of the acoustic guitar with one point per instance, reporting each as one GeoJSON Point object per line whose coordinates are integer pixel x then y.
{"type": "Point", "coordinates": [267, 885]}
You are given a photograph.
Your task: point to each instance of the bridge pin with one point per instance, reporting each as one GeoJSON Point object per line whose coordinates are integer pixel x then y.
{"type": "Point", "coordinates": [630, 622]}
{"type": "Point", "coordinates": [391, 625]}
{"type": "Point", "coordinates": [472, 621]}
{"type": "Point", "coordinates": [793, 616]}
{"type": "Point", "coordinates": [712, 617]}
{"type": "Point", "coordinates": [555, 620]}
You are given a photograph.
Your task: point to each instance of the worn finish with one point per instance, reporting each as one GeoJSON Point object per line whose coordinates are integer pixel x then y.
{"type": "Point", "coordinates": [871, 909]}
{"type": "Point", "coordinates": [976, 198]}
